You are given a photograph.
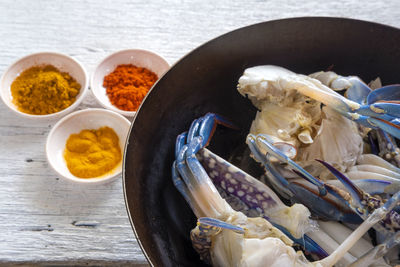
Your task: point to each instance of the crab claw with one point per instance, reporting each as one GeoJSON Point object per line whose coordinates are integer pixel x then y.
{"type": "Point", "coordinates": [357, 195]}
{"type": "Point", "coordinates": [323, 200]}
{"type": "Point", "coordinates": [364, 204]}
{"type": "Point", "coordinates": [278, 152]}
{"type": "Point", "coordinates": [205, 126]}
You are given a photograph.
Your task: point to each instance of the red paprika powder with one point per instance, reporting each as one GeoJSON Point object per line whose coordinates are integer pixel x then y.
{"type": "Point", "coordinates": [127, 85]}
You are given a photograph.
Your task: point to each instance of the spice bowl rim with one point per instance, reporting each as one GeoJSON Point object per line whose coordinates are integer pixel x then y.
{"type": "Point", "coordinates": [7, 90]}
{"type": "Point", "coordinates": [96, 88]}
{"type": "Point", "coordinates": [52, 151]}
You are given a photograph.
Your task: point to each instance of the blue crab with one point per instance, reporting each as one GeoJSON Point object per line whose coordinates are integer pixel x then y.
{"type": "Point", "coordinates": [226, 237]}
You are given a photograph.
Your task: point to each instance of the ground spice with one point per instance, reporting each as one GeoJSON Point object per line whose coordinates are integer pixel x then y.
{"type": "Point", "coordinates": [92, 153]}
{"type": "Point", "coordinates": [42, 90]}
{"type": "Point", "coordinates": [127, 85]}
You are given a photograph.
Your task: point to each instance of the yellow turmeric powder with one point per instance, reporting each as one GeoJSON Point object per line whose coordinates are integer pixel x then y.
{"type": "Point", "coordinates": [92, 153]}
{"type": "Point", "coordinates": [42, 90]}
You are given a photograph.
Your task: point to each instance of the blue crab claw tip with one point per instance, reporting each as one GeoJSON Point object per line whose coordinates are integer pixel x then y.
{"type": "Point", "coordinates": [194, 129]}
{"type": "Point", "coordinates": [180, 142]}
{"type": "Point", "coordinates": [205, 127]}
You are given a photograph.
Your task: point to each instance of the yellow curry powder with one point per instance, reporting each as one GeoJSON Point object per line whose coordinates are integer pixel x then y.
{"type": "Point", "coordinates": [92, 153]}
{"type": "Point", "coordinates": [42, 90]}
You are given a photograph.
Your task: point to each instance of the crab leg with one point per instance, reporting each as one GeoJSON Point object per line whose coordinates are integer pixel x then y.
{"type": "Point", "coordinates": [375, 217]}
{"type": "Point", "coordinates": [329, 244]}
{"type": "Point", "coordinates": [377, 252]}
{"type": "Point", "coordinates": [363, 203]}
{"type": "Point", "coordinates": [338, 232]}
{"type": "Point", "coordinates": [328, 206]}
{"type": "Point", "coordinates": [203, 191]}
{"type": "Point", "coordinates": [374, 160]}
{"type": "Point", "coordinates": [262, 140]}
{"type": "Point", "coordinates": [181, 186]}
{"type": "Point", "coordinates": [375, 169]}
{"type": "Point", "coordinates": [177, 180]}
{"type": "Point", "coordinates": [359, 175]}
{"type": "Point", "coordinates": [277, 181]}
{"type": "Point", "coordinates": [371, 186]}
{"type": "Point", "coordinates": [370, 159]}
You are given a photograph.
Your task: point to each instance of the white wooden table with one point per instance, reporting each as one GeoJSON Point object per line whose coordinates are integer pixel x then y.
{"type": "Point", "coordinates": [46, 220]}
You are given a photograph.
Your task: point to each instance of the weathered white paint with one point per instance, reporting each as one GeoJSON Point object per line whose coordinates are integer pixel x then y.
{"type": "Point", "coordinates": [44, 219]}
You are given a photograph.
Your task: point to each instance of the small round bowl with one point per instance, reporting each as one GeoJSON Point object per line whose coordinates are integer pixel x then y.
{"type": "Point", "coordinates": [62, 62]}
{"type": "Point", "coordinates": [137, 57]}
{"type": "Point", "coordinates": [76, 122]}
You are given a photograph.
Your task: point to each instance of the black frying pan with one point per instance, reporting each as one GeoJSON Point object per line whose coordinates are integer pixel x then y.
{"type": "Point", "coordinates": [205, 81]}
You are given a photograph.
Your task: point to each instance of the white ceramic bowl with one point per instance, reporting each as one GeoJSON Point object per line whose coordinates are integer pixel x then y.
{"type": "Point", "coordinates": [62, 62]}
{"type": "Point", "coordinates": [137, 57]}
{"type": "Point", "coordinates": [76, 122]}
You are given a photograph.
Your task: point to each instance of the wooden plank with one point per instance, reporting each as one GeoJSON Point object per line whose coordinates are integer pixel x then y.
{"type": "Point", "coordinates": [45, 219]}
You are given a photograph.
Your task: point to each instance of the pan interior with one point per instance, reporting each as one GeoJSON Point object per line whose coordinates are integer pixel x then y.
{"type": "Point", "coordinates": [205, 81]}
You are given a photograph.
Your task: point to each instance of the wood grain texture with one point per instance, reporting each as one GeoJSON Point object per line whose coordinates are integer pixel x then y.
{"type": "Point", "coordinates": [47, 220]}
